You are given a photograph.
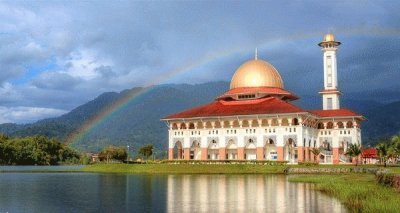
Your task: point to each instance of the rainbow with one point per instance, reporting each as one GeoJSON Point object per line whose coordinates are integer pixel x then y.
{"type": "Point", "coordinates": [94, 122]}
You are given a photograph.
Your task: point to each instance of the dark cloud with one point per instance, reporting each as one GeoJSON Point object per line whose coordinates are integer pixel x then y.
{"type": "Point", "coordinates": [55, 81]}
{"type": "Point", "coordinates": [110, 46]}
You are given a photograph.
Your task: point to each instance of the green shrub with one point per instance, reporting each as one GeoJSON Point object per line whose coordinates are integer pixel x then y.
{"type": "Point", "coordinates": [308, 163]}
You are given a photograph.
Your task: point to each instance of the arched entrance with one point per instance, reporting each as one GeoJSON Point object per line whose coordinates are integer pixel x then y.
{"type": "Point", "coordinates": [250, 152]}
{"type": "Point", "coordinates": [195, 151]}
{"type": "Point", "coordinates": [231, 150]}
{"type": "Point", "coordinates": [270, 150]}
{"type": "Point", "coordinates": [213, 150]}
{"type": "Point", "coordinates": [178, 151]}
{"type": "Point", "coordinates": [289, 152]}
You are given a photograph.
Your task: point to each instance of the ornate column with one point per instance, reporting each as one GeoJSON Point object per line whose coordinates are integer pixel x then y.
{"type": "Point", "coordinates": [307, 155]}
{"type": "Point", "coordinates": [279, 151]}
{"type": "Point", "coordinates": [240, 151]}
{"type": "Point", "coordinates": [222, 153]}
{"type": "Point", "coordinates": [260, 153]}
{"type": "Point", "coordinates": [336, 155]}
{"type": "Point", "coordinates": [204, 153]}
{"type": "Point", "coordinates": [186, 154]}
{"type": "Point", "coordinates": [312, 157]}
{"type": "Point", "coordinates": [170, 153]}
{"type": "Point", "coordinates": [300, 154]}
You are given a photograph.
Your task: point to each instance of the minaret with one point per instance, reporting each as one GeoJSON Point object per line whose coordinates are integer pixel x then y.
{"type": "Point", "coordinates": [330, 94]}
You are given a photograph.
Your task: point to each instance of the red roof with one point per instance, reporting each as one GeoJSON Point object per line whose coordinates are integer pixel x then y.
{"type": "Point", "coordinates": [370, 153]}
{"type": "Point", "coordinates": [269, 105]}
{"type": "Point", "coordinates": [260, 90]}
{"type": "Point", "coordinates": [335, 113]}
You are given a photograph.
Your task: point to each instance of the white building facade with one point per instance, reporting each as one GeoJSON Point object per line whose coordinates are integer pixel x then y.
{"type": "Point", "coordinates": [255, 120]}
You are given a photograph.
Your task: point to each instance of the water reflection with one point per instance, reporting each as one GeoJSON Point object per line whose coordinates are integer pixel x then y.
{"type": "Point", "coordinates": [84, 192]}
{"type": "Point", "coordinates": [244, 193]}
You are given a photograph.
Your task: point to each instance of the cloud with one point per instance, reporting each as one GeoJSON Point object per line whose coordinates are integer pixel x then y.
{"type": "Point", "coordinates": [59, 55]}
{"type": "Point", "coordinates": [27, 114]}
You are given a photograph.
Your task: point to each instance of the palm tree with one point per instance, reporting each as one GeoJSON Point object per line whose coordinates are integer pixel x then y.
{"type": "Point", "coordinates": [354, 150]}
{"type": "Point", "coordinates": [396, 145]}
{"type": "Point", "coordinates": [382, 151]}
{"type": "Point", "coordinates": [315, 152]}
{"type": "Point", "coordinates": [396, 138]}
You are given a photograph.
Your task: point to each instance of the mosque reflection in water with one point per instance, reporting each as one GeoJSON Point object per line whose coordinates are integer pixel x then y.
{"type": "Point", "coordinates": [244, 193]}
{"type": "Point", "coordinates": [91, 192]}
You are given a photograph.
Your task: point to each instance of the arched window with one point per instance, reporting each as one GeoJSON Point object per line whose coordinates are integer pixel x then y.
{"type": "Point", "coordinates": [349, 124]}
{"type": "Point", "coordinates": [183, 126]}
{"type": "Point", "coordinates": [285, 122]}
{"type": "Point", "coordinates": [226, 124]}
{"type": "Point", "coordinates": [274, 122]}
{"type": "Point", "coordinates": [295, 122]}
{"type": "Point", "coordinates": [264, 122]}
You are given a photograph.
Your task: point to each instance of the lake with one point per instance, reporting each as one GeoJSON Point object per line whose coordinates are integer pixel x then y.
{"type": "Point", "coordinates": [92, 192]}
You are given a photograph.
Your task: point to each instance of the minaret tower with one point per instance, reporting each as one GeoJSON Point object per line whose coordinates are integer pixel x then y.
{"type": "Point", "coordinates": [330, 94]}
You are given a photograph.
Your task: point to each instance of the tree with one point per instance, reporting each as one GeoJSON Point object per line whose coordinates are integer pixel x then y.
{"type": "Point", "coordinates": [37, 150]}
{"type": "Point", "coordinates": [382, 151]}
{"type": "Point", "coordinates": [396, 145]}
{"type": "Point", "coordinates": [146, 150]}
{"type": "Point", "coordinates": [354, 150]}
{"type": "Point", "coordinates": [315, 152]}
{"type": "Point", "coordinates": [113, 153]}
{"type": "Point", "coordinates": [396, 138]}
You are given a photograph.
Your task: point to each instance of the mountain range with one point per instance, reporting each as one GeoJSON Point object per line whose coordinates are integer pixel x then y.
{"type": "Point", "coordinates": [137, 120]}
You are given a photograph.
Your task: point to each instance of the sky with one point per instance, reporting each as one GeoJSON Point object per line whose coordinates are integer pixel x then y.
{"type": "Point", "coordinates": [57, 55]}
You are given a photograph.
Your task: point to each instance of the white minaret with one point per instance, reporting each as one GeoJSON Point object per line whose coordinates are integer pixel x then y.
{"type": "Point", "coordinates": [330, 94]}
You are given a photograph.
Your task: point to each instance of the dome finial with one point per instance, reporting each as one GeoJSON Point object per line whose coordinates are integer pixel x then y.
{"type": "Point", "coordinates": [256, 54]}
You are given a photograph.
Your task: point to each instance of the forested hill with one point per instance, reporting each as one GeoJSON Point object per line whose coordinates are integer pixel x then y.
{"type": "Point", "coordinates": [139, 123]}
{"type": "Point", "coordinates": [135, 124]}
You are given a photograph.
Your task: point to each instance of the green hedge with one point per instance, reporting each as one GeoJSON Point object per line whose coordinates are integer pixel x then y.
{"type": "Point", "coordinates": [255, 162]}
{"type": "Point", "coordinates": [308, 163]}
{"type": "Point", "coordinates": [389, 179]}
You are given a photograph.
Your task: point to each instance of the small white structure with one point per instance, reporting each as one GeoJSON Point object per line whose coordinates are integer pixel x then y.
{"type": "Point", "coordinates": [255, 120]}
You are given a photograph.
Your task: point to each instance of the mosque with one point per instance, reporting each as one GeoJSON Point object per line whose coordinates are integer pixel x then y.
{"type": "Point", "coordinates": [256, 120]}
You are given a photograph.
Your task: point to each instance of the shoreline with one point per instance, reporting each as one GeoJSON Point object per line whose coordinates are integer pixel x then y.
{"type": "Point", "coordinates": [165, 168]}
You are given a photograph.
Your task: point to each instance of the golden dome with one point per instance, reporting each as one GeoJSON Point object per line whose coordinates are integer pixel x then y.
{"type": "Point", "coordinates": [329, 37]}
{"type": "Point", "coordinates": [256, 73]}
{"type": "Point", "coordinates": [329, 41]}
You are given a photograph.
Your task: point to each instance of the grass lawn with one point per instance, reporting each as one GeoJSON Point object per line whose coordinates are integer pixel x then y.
{"type": "Point", "coordinates": [358, 192]}
{"type": "Point", "coordinates": [395, 170]}
{"type": "Point", "coordinates": [157, 168]}
{"type": "Point", "coordinates": [186, 168]}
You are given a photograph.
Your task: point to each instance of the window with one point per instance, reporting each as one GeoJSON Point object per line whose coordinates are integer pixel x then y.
{"type": "Point", "coordinates": [249, 96]}
{"type": "Point", "coordinates": [329, 103]}
{"type": "Point", "coordinates": [329, 71]}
